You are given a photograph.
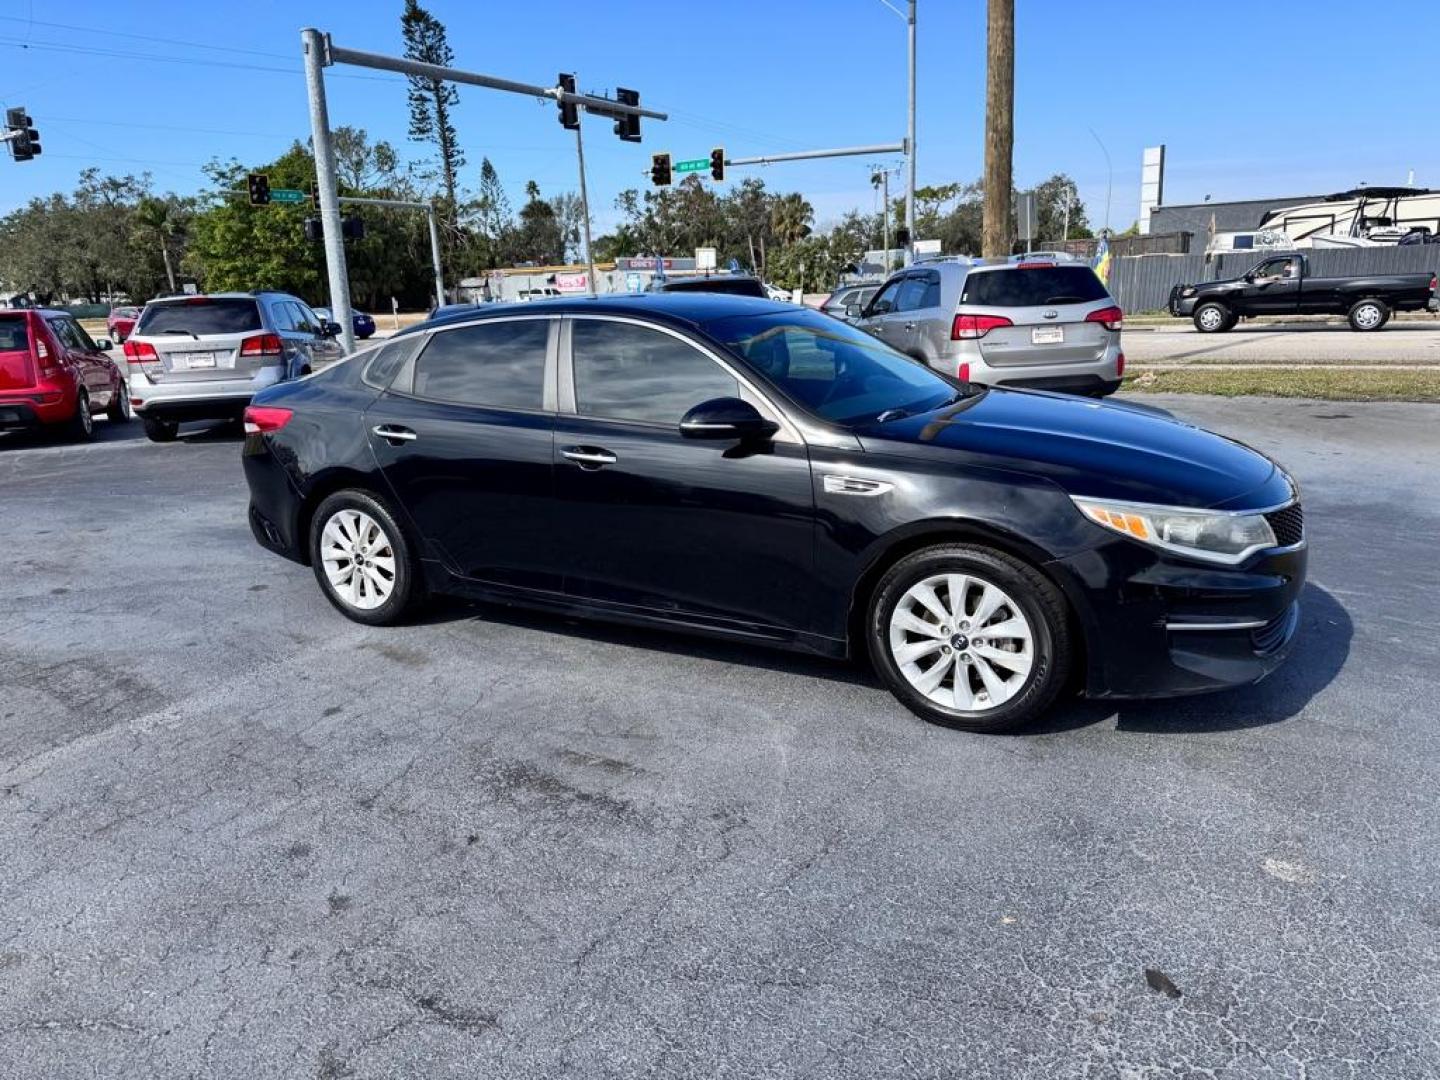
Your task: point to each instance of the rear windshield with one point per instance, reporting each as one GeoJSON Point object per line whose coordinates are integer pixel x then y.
{"type": "Point", "coordinates": [203, 316]}
{"type": "Point", "coordinates": [14, 335]}
{"type": "Point", "coordinates": [1014, 287]}
{"type": "Point", "coordinates": [730, 286]}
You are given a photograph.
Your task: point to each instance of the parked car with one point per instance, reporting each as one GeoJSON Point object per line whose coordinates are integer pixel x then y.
{"type": "Point", "coordinates": [737, 467]}
{"type": "Point", "coordinates": [204, 357]}
{"type": "Point", "coordinates": [1283, 285]}
{"type": "Point", "coordinates": [775, 292]}
{"type": "Point", "coordinates": [544, 292]}
{"type": "Point", "coordinates": [52, 375]}
{"type": "Point", "coordinates": [363, 325]}
{"type": "Point", "coordinates": [847, 297]}
{"type": "Point", "coordinates": [730, 284]}
{"type": "Point", "coordinates": [1044, 322]}
{"type": "Point", "coordinates": [120, 323]}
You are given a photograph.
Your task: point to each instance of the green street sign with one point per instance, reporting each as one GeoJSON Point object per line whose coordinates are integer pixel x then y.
{"type": "Point", "coordinates": [288, 195]}
{"type": "Point", "coordinates": [694, 165]}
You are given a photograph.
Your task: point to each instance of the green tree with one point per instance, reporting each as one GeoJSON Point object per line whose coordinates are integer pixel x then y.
{"type": "Point", "coordinates": [432, 100]}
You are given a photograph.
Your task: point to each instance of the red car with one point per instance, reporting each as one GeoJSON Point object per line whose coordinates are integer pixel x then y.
{"type": "Point", "coordinates": [52, 375]}
{"type": "Point", "coordinates": [121, 323]}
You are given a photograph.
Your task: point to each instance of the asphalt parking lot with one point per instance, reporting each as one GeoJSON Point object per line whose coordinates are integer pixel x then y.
{"type": "Point", "coordinates": [1401, 342]}
{"type": "Point", "coordinates": [243, 837]}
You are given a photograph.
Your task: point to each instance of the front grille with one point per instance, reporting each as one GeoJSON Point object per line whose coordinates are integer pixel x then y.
{"type": "Point", "coordinates": [1276, 632]}
{"type": "Point", "coordinates": [1287, 524]}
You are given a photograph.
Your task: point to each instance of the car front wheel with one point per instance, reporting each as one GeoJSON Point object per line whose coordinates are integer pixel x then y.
{"type": "Point", "coordinates": [969, 637]}
{"type": "Point", "coordinates": [1213, 319]}
{"type": "Point", "coordinates": [362, 559]}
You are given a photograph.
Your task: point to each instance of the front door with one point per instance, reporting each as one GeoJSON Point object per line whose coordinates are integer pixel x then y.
{"type": "Point", "coordinates": [1273, 287]}
{"type": "Point", "coordinates": [464, 437]}
{"type": "Point", "coordinates": [885, 321]}
{"type": "Point", "coordinates": [666, 524]}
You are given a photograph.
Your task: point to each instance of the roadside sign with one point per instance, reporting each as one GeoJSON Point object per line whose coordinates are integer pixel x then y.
{"type": "Point", "coordinates": [1025, 214]}
{"type": "Point", "coordinates": [632, 282]}
{"type": "Point", "coordinates": [705, 258]}
{"type": "Point", "coordinates": [572, 282]}
{"type": "Point", "coordinates": [693, 165]}
{"type": "Point", "coordinates": [288, 195]}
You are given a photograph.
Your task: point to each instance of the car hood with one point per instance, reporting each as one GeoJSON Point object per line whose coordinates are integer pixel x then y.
{"type": "Point", "coordinates": [1103, 450]}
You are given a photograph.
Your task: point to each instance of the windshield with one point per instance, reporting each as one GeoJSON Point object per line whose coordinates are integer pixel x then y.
{"type": "Point", "coordinates": [832, 369]}
{"type": "Point", "coordinates": [200, 316]}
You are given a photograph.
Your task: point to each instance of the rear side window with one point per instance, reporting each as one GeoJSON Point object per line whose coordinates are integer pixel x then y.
{"type": "Point", "coordinates": [381, 368]}
{"type": "Point", "coordinates": [499, 364]}
{"type": "Point", "coordinates": [14, 334]}
{"type": "Point", "coordinates": [200, 316]}
{"type": "Point", "coordinates": [628, 372]}
{"type": "Point", "coordinates": [1013, 287]}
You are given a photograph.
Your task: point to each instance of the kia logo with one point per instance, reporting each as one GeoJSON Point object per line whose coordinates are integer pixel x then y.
{"type": "Point", "coordinates": [1051, 314]}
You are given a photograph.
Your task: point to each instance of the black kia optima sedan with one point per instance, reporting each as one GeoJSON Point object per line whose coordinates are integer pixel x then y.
{"type": "Point", "coordinates": [732, 466]}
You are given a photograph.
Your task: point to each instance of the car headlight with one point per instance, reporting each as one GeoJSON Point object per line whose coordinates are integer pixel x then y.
{"type": "Point", "coordinates": [1189, 290]}
{"type": "Point", "coordinates": [1211, 535]}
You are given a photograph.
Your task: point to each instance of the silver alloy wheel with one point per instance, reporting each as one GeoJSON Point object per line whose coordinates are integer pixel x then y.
{"type": "Point", "coordinates": [1367, 316]}
{"type": "Point", "coordinates": [125, 411]}
{"type": "Point", "coordinates": [1211, 318]}
{"type": "Point", "coordinates": [359, 559]}
{"type": "Point", "coordinates": [962, 641]}
{"type": "Point", "coordinates": [82, 406]}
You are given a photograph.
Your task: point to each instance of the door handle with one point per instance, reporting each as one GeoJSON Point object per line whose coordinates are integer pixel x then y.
{"type": "Point", "coordinates": [394, 435]}
{"type": "Point", "coordinates": [909, 326]}
{"type": "Point", "coordinates": [588, 457]}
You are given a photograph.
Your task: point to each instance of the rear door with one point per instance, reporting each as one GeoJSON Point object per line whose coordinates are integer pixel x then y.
{"type": "Point", "coordinates": [464, 436]}
{"type": "Point", "coordinates": [1047, 305]}
{"type": "Point", "coordinates": [87, 360]}
{"type": "Point", "coordinates": [202, 339]}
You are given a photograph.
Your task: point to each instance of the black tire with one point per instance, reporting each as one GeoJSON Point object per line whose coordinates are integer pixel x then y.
{"type": "Point", "coordinates": [81, 426]}
{"type": "Point", "coordinates": [408, 590]}
{"type": "Point", "coordinates": [1368, 314]}
{"type": "Point", "coordinates": [1213, 318]}
{"type": "Point", "coordinates": [160, 430]}
{"type": "Point", "coordinates": [119, 411]}
{"type": "Point", "coordinates": [1039, 602]}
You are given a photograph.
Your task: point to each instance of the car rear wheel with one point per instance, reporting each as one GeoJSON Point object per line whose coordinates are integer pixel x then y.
{"type": "Point", "coordinates": [969, 637]}
{"type": "Point", "coordinates": [362, 559]}
{"type": "Point", "coordinates": [119, 411]}
{"type": "Point", "coordinates": [1369, 315]}
{"type": "Point", "coordinates": [81, 426]}
{"type": "Point", "coordinates": [160, 430]}
{"type": "Point", "coordinates": [1213, 318]}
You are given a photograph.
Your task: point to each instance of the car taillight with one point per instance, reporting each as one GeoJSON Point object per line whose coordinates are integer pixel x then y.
{"type": "Point", "coordinates": [1120, 364]}
{"type": "Point", "coordinates": [1034, 266]}
{"type": "Point", "coordinates": [47, 367]}
{"type": "Point", "coordinates": [970, 327]}
{"type": "Point", "coordinates": [262, 345]}
{"type": "Point", "coordinates": [963, 373]}
{"type": "Point", "coordinates": [1109, 317]}
{"type": "Point", "coordinates": [1434, 282]}
{"type": "Point", "coordinates": [141, 352]}
{"type": "Point", "coordinates": [262, 419]}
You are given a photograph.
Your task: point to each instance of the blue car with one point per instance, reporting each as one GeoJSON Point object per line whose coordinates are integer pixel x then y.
{"type": "Point", "coordinates": [364, 325]}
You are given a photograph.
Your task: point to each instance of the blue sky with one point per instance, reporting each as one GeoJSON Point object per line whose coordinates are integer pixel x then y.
{"type": "Point", "coordinates": [753, 76]}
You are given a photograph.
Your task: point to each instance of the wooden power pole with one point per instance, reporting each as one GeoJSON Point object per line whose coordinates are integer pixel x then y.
{"type": "Point", "coordinates": [999, 127]}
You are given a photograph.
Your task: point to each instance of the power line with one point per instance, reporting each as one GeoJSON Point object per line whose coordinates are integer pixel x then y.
{"type": "Point", "coordinates": [115, 54]}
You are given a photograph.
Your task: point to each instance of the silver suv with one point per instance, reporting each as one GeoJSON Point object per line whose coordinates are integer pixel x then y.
{"type": "Point", "coordinates": [1044, 322]}
{"type": "Point", "coordinates": [204, 357]}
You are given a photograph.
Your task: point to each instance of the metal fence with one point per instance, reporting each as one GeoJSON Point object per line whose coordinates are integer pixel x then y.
{"type": "Point", "coordinates": [1143, 282]}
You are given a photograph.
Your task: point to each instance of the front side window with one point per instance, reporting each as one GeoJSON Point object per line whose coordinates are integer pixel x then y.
{"type": "Point", "coordinates": [629, 372]}
{"type": "Point", "coordinates": [886, 300]}
{"type": "Point", "coordinates": [912, 294]}
{"type": "Point", "coordinates": [305, 319]}
{"type": "Point", "coordinates": [834, 370]}
{"type": "Point", "coordinates": [496, 364]}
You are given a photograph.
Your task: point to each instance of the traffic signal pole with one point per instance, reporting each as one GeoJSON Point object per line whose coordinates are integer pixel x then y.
{"type": "Point", "coordinates": [807, 155]}
{"type": "Point", "coordinates": [320, 53]}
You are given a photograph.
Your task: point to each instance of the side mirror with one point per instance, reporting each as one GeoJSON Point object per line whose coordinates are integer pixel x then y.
{"type": "Point", "coordinates": [852, 310]}
{"type": "Point", "coordinates": [726, 418]}
{"type": "Point", "coordinates": [329, 329]}
{"type": "Point", "coordinates": [1250, 277]}
{"type": "Point", "coordinates": [104, 344]}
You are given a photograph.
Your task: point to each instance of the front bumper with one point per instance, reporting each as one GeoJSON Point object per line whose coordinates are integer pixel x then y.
{"type": "Point", "coordinates": [1157, 626]}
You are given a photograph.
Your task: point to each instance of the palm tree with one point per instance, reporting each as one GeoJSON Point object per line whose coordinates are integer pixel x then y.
{"type": "Point", "coordinates": [790, 218]}
{"type": "Point", "coordinates": [156, 220]}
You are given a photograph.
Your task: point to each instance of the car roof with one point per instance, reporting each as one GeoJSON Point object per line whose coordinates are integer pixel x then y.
{"type": "Point", "coordinates": [693, 308]}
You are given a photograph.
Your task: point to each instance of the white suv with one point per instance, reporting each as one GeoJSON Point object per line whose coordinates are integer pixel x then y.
{"type": "Point", "coordinates": [204, 357]}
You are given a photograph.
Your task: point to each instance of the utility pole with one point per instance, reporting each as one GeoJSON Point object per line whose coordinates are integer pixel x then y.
{"type": "Point", "coordinates": [999, 127]}
{"type": "Point", "coordinates": [882, 179]}
{"type": "Point", "coordinates": [585, 206]}
{"type": "Point", "coordinates": [314, 46]}
{"type": "Point", "coordinates": [910, 147]}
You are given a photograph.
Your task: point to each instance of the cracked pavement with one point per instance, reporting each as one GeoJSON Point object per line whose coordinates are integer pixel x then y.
{"type": "Point", "coordinates": [243, 837]}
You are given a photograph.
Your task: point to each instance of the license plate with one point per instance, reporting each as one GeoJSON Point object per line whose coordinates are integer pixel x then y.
{"type": "Point", "coordinates": [196, 360]}
{"type": "Point", "coordinates": [1047, 335]}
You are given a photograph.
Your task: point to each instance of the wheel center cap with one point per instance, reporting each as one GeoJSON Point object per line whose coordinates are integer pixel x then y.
{"type": "Point", "coordinates": [959, 641]}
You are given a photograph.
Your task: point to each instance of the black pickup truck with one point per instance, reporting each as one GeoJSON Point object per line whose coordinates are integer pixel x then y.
{"type": "Point", "coordinates": [1282, 285]}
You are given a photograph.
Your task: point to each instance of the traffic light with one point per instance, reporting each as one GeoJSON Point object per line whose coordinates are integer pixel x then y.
{"type": "Point", "coordinates": [717, 164]}
{"type": "Point", "coordinates": [259, 184]}
{"type": "Point", "coordinates": [314, 231]}
{"type": "Point", "coordinates": [569, 111]}
{"type": "Point", "coordinates": [352, 228]}
{"type": "Point", "coordinates": [25, 140]}
{"type": "Point", "coordinates": [660, 170]}
{"type": "Point", "coordinates": [315, 196]}
{"type": "Point", "coordinates": [627, 125]}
